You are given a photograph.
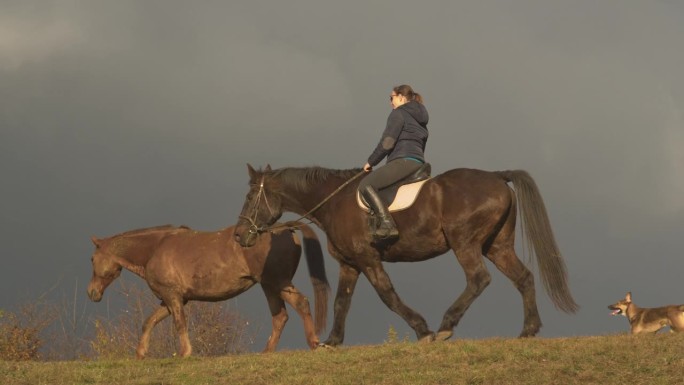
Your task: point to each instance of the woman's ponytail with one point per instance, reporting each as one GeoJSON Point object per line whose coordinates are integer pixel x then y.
{"type": "Point", "coordinates": [408, 93]}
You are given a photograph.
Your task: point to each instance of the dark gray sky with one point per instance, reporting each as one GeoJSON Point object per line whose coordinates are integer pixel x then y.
{"type": "Point", "coordinates": [128, 114]}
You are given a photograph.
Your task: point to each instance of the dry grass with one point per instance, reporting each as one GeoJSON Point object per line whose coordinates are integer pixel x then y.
{"type": "Point", "coordinates": [615, 359]}
{"type": "Point", "coordinates": [214, 328]}
{"type": "Point", "coordinates": [43, 330]}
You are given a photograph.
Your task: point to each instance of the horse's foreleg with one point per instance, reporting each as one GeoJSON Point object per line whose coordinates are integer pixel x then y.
{"type": "Point", "coordinates": [512, 267]}
{"type": "Point", "coordinates": [383, 286]}
{"type": "Point", "coordinates": [175, 306]}
{"type": "Point", "coordinates": [477, 279]}
{"type": "Point", "coordinates": [151, 321]}
{"type": "Point", "coordinates": [278, 317]}
{"type": "Point", "coordinates": [345, 288]}
{"type": "Point", "coordinates": [301, 304]}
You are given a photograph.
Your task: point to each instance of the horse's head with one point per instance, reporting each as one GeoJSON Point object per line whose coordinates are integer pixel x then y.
{"type": "Point", "coordinates": [105, 270]}
{"type": "Point", "coordinates": [262, 208]}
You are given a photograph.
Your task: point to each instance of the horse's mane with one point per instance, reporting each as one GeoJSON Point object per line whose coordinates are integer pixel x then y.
{"type": "Point", "coordinates": [146, 230]}
{"type": "Point", "coordinates": [304, 178]}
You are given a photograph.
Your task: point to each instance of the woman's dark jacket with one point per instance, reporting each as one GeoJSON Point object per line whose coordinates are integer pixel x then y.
{"type": "Point", "coordinates": [404, 136]}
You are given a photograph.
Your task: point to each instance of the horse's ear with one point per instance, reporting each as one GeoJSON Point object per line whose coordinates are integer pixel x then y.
{"type": "Point", "coordinates": [628, 297]}
{"type": "Point", "coordinates": [251, 171]}
{"type": "Point", "coordinates": [96, 241]}
{"type": "Point", "coordinates": [268, 167]}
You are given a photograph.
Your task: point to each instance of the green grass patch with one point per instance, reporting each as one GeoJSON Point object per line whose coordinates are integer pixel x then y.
{"type": "Point", "coordinates": [614, 359]}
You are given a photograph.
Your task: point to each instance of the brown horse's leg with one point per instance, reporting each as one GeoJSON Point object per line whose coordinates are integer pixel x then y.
{"type": "Point", "coordinates": [345, 288]}
{"type": "Point", "coordinates": [301, 304]}
{"type": "Point", "coordinates": [278, 317]}
{"type": "Point", "coordinates": [477, 279]}
{"type": "Point", "coordinates": [512, 267]}
{"type": "Point", "coordinates": [151, 321]}
{"type": "Point", "coordinates": [383, 286]}
{"type": "Point", "coordinates": [175, 306]}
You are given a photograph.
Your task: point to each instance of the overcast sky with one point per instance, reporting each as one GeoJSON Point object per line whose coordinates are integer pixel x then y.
{"type": "Point", "coordinates": [119, 115]}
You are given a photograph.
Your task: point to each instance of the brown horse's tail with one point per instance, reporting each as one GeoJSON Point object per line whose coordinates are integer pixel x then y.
{"type": "Point", "coordinates": [319, 280]}
{"type": "Point", "coordinates": [537, 233]}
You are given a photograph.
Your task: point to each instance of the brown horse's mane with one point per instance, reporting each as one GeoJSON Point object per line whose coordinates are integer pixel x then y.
{"type": "Point", "coordinates": [145, 230]}
{"type": "Point", "coordinates": [305, 178]}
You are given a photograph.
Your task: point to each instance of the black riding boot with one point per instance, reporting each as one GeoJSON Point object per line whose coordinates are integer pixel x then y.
{"type": "Point", "coordinates": [385, 227]}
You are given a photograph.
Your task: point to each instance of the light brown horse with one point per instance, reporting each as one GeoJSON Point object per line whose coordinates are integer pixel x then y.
{"type": "Point", "coordinates": [181, 264]}
{"type": "Point", "coordinates": [471, 212]}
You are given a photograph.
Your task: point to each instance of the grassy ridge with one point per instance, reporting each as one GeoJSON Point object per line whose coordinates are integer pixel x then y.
{"type": "Point", "coordinates": [618, 359]}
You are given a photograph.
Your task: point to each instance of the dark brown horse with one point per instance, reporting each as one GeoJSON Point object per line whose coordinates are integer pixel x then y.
{"type": "Point", "coordinates": [180, 264]}
{"type": "Point", "coordinates": [471, 212]}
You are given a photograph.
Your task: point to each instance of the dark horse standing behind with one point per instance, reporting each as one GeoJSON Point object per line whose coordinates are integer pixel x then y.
{"type": "Point", "coordinates": [181, 264]}
{"type": "Point", "coordinates": [471, 212]}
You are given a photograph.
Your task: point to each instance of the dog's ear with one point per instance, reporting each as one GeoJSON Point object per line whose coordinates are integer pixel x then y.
{"type": "Point", "coordinates": [628, 297]}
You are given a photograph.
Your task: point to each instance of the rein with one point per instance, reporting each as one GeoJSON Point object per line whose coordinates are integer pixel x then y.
{"type": "Point", "coordinates": [253, 228]}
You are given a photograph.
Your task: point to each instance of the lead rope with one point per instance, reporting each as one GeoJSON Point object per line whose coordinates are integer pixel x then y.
{"type": "Point", "coordinates": [297, 222]}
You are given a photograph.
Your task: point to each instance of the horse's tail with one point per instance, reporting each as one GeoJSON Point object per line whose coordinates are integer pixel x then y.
{"type": "Point", "coordinates": [537, 233]}
{"type": "Point", "coordinates": [319, 280]}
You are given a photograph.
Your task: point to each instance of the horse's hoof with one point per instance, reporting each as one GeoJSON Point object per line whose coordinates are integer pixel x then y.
{"type": "Point", "coordinates": [427, 339]}
{"type": "Point", "coordinates": [444, 335]}
{"type": "Point", "coordinates": [530, 331]}
{"type": "Point", "coordinates": [331, 342]}
{"type": "Point", "coordinates": [323, 346]}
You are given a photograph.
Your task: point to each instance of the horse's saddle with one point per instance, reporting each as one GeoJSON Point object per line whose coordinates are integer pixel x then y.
{"type": "Point", "coordinates": [401, 194]}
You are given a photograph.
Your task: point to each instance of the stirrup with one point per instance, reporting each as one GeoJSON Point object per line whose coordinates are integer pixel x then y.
{"type": "Point", "coordinates": [382, 237]}
{"type": "Point", "coordinates": [377, 229]}
{"type": "Point", "coordinates": [385, 231]}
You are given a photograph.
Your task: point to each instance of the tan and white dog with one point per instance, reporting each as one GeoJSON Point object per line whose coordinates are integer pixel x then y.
{"type": "Point", "coordinates": [649, 320]}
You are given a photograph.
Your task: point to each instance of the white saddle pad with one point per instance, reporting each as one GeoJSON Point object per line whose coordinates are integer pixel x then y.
{"type": "Point", "coordinates": [405, 197]}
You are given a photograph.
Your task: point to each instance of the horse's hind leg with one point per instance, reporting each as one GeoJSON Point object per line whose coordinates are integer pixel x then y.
{"type": "Point", "coordinates": [477, 279]}
{"type": "Point", "coordinates": [278, 317]}
{"type": "Point", "coordinates": [505, 259]}
{"type": "Point", "coordinates": [301, 304]}
{"type": "Point", "coordinates": [151, 321]}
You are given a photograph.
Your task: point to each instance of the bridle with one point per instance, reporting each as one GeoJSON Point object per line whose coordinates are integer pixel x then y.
{"type": "Point", "coordinates": [255, 229]}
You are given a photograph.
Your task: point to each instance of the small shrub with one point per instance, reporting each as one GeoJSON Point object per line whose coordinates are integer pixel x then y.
{"type": "Point", "coordinates": [393, 336]}
{"type": "Point", "coordinates": [214, 329]}
{"type": "Point", "coordinates": [20, 332]}
{"type": "Point", "coordinates": [112, 340]}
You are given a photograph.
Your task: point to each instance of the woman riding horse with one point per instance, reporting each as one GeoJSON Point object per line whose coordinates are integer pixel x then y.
{"type": "Point", "coordinates": [403, 144]}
